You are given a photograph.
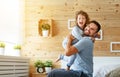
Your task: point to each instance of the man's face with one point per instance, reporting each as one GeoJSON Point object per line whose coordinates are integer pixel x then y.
{"type": "Point", "coordinates": [90, 29]}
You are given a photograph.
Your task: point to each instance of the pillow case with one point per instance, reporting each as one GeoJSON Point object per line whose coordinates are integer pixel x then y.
{"type": "Point", "coordinates": [104, 70]}
{"type": "Point", "coordinates": [114, 73]}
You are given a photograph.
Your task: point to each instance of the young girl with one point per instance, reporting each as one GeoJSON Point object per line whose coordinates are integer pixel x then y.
{"type": "Point", "coordinates": [82, 19]}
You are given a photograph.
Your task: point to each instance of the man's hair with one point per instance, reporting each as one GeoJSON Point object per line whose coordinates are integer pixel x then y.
{"type": "Point", "coordinates": [81, 12]}
{"type": "Point", "coordinates": [97, 24]}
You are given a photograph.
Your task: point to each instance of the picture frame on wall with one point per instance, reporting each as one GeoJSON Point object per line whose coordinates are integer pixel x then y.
{"type": "Point", "coordinates": [114, 46]}
{"type": "Point", "coordinates": [71, 23]}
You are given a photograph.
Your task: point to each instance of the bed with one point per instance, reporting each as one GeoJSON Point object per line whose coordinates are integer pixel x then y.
{"type": "Point", "coordinates": [104, 66]}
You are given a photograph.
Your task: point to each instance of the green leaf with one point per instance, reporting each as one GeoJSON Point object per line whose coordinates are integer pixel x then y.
{"type": "Point", "coordinates": [2, 44]}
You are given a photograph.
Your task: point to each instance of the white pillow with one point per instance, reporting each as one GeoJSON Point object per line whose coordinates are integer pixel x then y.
{"type": "Point", "coordinates": [114, 73]}
{"type": "Point", "coordinates": [104, 70]}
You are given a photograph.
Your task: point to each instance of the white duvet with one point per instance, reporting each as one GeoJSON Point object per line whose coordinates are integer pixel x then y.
{"type": "Point", "coordinates": [104, 70]}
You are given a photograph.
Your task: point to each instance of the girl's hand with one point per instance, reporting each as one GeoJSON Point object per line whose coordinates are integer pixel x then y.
{"type": "Point", "coordinates": [97, 35]}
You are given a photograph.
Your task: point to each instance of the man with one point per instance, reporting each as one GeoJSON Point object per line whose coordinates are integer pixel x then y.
{"type": "Point", "coordinates": [83, 64]}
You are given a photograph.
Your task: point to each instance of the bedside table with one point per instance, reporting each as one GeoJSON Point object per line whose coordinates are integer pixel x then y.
{"type": "Point", "coordinates": [39, 75]}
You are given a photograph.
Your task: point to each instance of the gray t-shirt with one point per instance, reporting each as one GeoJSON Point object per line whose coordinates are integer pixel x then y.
{"type": "Point", "coordinates": [84, 57]}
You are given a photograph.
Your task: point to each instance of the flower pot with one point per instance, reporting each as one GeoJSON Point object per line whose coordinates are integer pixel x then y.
{"type": "Point", "coordinates": [45, 33]}
{"type": "Point", "coordinates": [48, 69]}
{"type": "Point", "coordinates": [16, 52]}
{"type": "Point", "coordinates": [2, 51]}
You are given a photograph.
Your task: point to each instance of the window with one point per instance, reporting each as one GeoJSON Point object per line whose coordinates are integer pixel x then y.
{"type": "Point", "coordinates": [11, 22]}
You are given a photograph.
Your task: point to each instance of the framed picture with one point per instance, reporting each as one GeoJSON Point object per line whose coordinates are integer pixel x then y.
{"type": "Point", "coordinates": [115, 46]}
{"type": "Point", "coordinates": [71, 23]}
{"type": "Point", "coordinates": [101, 35]}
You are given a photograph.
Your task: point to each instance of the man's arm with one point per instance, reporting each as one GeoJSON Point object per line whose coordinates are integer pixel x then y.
{"type": "Point", "coordinates": [70, 50]}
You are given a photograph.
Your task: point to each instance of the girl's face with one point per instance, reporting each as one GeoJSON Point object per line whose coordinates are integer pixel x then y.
{"type": "Point", "coordinates": [81, 20]}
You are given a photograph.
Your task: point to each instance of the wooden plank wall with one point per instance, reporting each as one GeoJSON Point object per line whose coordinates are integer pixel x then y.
{"type": "Point", "coordinates": [107, 12]}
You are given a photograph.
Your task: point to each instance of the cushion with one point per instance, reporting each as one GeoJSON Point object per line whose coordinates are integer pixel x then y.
{"type": "Point", "coordinates": [102, 71]}
{"type": "Point", "coordinates": [114, 73]}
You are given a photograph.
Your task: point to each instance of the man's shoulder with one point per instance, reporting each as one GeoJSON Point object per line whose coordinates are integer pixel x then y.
{"type": "Point", "coordinates": [86, 39]}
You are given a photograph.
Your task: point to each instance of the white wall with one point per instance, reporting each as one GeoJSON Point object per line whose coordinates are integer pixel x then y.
{"type": "Point", "coordinates": [11, 22]}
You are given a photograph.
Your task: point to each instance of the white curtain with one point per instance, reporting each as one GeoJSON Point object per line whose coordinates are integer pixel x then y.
{"type": "Point", "coordinates": [11, 23]}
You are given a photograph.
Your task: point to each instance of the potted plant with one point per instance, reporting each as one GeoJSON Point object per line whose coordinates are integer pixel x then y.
{"type": "Point", "coordinates": [48, 66]}
{"type": "Point", "coordinates": [39, 66]}
{"type": "Point", "coordinates": [2, 48]}
{"type": "Point", "coordinates": [45, 29]}
{"type": "Point", "coordinates": [17, 49]}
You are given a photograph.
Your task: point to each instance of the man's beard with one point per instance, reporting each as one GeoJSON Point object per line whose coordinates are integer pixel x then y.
{"type": "Point", "coordinates": [84, 34]}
